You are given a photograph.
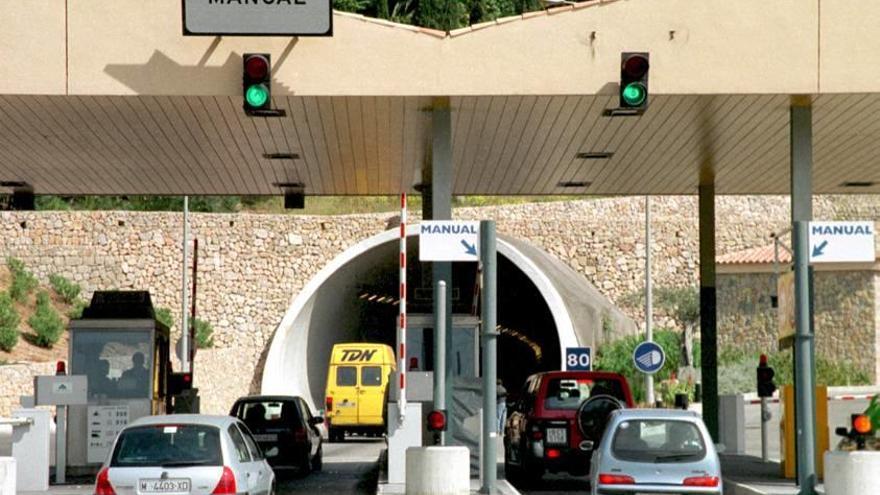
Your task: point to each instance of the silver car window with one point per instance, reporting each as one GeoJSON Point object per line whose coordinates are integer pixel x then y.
{"type": "Point", "coordinates": [171, 445]}
{"type": "Point", "coordinates": [256, 453]}
{"type": "Point", "coordinates": [240, 445]}
{"type": "Point", "coordinates": [658, 440]}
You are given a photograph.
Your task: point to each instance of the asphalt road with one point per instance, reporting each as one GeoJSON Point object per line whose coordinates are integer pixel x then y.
{"type": "Point", "coordinates": [349, 467]}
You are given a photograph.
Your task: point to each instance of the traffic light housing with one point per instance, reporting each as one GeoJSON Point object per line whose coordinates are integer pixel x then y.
{"type": "Point", "coordinates": [437, 420]}
{"type": "Point", "coordinates": [634, 80]}
{"type": "Point", "coordinates": [257, 83]}
{"type": "Point", "coordinates": [766, 387]}
{"type": "Point", "coordinates": [178, 382]}
{"type": "Point", "coordinates": [861, 428]}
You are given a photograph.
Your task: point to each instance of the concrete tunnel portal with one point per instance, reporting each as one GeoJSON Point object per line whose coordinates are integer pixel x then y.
{"type": "Point", "coordinates": [544, 306]}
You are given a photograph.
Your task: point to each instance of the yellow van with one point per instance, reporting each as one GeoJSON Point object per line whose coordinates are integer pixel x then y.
{"type": "Point", "coordinates": [357, 389]}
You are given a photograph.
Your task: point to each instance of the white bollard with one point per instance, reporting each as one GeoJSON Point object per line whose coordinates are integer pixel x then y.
{"type": "Point", "coordinates": [7, 476]}
{"type": "Point", "coordinates": [851, 473]}
{"type": "Point", "coordinates": [438, 471]}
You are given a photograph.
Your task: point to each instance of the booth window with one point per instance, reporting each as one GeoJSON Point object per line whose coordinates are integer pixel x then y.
{"type": "Point", "coordinates": [118, 364]}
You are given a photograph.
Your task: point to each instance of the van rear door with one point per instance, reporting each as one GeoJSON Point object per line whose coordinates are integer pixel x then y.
{"type": "Point", "coordinates": [345, 394]}
{"type": "Point", "coordinates": [371, 394]}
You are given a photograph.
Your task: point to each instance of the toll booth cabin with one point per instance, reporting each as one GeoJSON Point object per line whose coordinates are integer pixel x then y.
{"type": "Point", "coordinates": [124, 351]}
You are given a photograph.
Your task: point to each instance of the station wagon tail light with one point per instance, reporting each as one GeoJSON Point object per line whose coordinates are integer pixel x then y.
{"type": "Point", "coordinates": [226, 485]}
{"type": "Point", "coordinates": [102, 483]}
{"type": "Point", "coordinates": [701, 481]}
{"type": "Point", "coordinates": [328, 403]}
{"type": "Point", "coordinates": [616, 479]}
{"type": "Point", "coordinates": [553, 454]}
{"type": "Point", "coordinates": [299, 435]}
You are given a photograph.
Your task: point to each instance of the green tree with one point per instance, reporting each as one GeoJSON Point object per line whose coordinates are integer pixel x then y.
{"type": "Point", "coordinates": [164, 316]}
{"type": "Point", "coordinates": [9, 321]}
{"type": "Point", "coordinates": [46, 322]}
{"type": "Point", "coordinates": [683, 305]}
{"type": "Point", "coordinates": [23, 282]}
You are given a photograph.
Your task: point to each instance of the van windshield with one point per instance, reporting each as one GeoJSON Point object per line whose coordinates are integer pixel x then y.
{"type": "Point", "coordinates": [569, 393]}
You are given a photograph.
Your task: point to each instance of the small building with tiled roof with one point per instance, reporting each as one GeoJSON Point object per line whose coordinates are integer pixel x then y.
{"type": "Point", "coordinates": [846, 301]}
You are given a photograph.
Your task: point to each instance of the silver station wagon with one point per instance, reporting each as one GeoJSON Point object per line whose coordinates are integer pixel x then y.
{"type": "Point", "coordinates": [655, 451]}
{"type": "Point", "coordinates": [185, 454]}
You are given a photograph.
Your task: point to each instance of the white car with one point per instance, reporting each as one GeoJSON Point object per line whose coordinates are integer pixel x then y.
{"type": "Point", "coordinates": [185, 454]}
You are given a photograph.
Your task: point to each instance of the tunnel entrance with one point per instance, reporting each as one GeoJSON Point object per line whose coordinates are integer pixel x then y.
{"type": "Point", "coordinates": [354, 299]}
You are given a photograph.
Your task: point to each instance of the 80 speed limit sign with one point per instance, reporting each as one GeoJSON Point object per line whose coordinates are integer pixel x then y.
{"type": "Point", "coordinates": [579, 358]}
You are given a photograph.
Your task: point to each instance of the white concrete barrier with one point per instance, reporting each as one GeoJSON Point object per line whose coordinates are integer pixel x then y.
{"type": "Point", "coordinates": [851, 473]}
{"type": "Point", "coordinates": [438, 471]}
{"type": "Point", "coordinates": [7, 476]}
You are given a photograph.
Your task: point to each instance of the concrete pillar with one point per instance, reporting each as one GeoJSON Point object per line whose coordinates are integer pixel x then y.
{"type": "Point", "coordinates": [441, 209]}
{"type": "Point", "coordinates": [708, 323]}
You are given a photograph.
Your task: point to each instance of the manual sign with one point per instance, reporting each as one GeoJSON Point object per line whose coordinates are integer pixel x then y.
{"type": "Point", "coordinates": [842, 242]}
{"type": "Point", "coordinates": [447, 240]}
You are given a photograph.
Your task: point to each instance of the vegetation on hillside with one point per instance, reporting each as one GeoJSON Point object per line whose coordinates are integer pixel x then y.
{"type": "Point", "coordinates": [736, 368]}
{"type": "Point", "coordinates": [9, 321]}
{"type": "Point", "coordinates": [23, 282]}
{"type": "Point", "coordinates": [444, 15]}
{"type": "Point", "coordinates": [314, 205]}
{"type": "Point", "coordinates": [46, 322]}
{"type": "Point", "coordinates": [204, 332]}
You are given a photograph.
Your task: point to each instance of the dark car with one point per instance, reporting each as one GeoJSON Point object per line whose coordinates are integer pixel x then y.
{"type": "Point", "coordinates": [285, 429]}
{"type": "Point", "coordinates": [544, 432]}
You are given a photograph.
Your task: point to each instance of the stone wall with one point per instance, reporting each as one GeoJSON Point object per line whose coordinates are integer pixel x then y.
{"type": "Point", "coordinates": [17, 380]}
{"type": "Point", "coordinates": [251, 266]}
{"type": "Point", "coordinates": [845, 315]}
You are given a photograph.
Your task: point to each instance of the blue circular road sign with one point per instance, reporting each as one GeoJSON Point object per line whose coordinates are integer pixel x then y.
{"type": "Point", "coordinates": [649, 357]}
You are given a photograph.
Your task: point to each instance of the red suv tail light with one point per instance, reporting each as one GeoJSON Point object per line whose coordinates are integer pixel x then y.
{"type": "Point", "coordinates": [701, 481]}
{"type": "Point", "coordinates": [102, 483]}
{"type": "Point", "coordinates": [536, 433]}
{"type": "Point", "coordinates": [616, 479]}
{"type": "Point", "coordinates": [226, 485]}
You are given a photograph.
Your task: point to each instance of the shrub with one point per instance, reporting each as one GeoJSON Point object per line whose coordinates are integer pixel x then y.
{"type": "Point", "coordinates": [164, 317]}
{"type": "Point", "coordinates": [9, 321]}
{"type": "Point", "coordinates": [617, 357]}
{"type": "Point", "coordinates": [45, 322]}
{"type": "Point", "coordinates": [77, 309]}
{"type": "Point", "coordinates": [23, 282]}
{"type": "Point", "coordinates": [67, 290]}
{"type": "Point", "coordinates": [204, 333]}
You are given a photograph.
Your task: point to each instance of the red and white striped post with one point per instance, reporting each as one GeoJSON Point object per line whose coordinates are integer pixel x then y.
{"type": "Point", "coordinates": [401, 332]}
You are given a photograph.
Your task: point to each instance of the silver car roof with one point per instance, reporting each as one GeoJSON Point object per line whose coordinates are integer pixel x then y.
{"type": "Point", "coordinates": [193, 419]}
{"type": "Point", "coordinates": [681, 414]}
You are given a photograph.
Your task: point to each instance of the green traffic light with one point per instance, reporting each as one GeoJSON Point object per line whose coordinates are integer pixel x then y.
{"type": "Point", "coordinates": [256, 95]}
{"type": "Point", "coordinates": [634, 94]}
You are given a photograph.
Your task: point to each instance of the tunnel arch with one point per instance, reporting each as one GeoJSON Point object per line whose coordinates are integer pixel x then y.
{"type": "Point", "coordinates": [296, 362]}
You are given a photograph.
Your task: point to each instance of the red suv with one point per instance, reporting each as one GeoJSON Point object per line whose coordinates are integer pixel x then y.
{"type": "Point", "coordinates": [542, 430]}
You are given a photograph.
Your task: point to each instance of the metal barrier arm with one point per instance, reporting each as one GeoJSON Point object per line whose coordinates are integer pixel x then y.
{"type": "Point", "coordinates": [16, 421]}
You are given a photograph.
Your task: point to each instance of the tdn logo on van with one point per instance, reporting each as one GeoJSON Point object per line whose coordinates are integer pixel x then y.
{"type": "Point", "coordinates": [351, 355]}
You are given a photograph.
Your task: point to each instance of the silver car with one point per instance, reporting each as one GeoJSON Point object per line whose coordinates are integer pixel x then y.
{"type": "Point", "coordinates": [185, 454]}
{"type": "Point", "coordinates": [655, 451]}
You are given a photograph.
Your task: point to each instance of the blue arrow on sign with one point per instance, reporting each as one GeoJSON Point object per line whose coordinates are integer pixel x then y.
{"type": "Point", "coordinates": [819, 250]}
{"type": "Point", "coordinates": [469, 248]}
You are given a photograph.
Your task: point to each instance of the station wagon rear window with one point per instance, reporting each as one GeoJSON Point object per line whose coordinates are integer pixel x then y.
{"type": "Point", "coordinates": [658, 441]}
{"type": "Point", "coordinates": [569, 393]}
{"type": "Point", "coordinates": [168, 446]}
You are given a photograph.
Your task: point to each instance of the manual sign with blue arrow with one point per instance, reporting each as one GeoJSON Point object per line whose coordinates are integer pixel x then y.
{"type": "Point", "coordinates": [841, 242]}
{"type": "Point", "coordinates": [448, 240]}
